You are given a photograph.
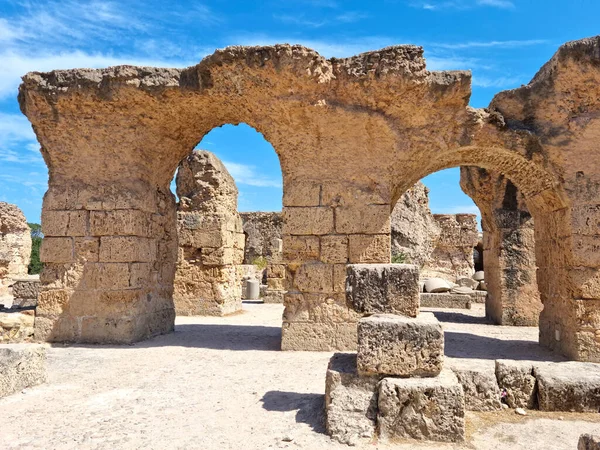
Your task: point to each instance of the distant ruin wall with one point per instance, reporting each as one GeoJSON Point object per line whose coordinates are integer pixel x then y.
{"type": "Point", "coordinates": [15, 245]}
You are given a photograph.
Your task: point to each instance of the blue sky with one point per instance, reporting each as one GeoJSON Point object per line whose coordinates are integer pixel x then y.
{"type": "Point", "coordinates": [504, 42]}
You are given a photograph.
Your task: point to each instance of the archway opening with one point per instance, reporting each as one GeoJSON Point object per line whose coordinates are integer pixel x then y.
{"type": "Point", "coordinates": [229, 192]}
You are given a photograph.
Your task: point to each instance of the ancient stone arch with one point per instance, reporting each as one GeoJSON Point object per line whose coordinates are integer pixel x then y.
{"type": "Point", "coordinates": [351, 134]}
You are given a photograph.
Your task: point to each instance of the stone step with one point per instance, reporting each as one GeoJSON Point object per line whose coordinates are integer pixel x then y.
{"type": "Point", "coordinates": [445, 300]}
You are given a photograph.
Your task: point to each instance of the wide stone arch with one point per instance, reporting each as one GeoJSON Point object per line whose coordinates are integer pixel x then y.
{"type": "Point", "coordinates": [350, 133]}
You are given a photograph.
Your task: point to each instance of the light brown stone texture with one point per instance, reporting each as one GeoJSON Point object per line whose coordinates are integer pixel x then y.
{"type": "Point", "coordinates": [414, 230]}
{"type": "Point", "coordinates": [21, 366]}
{"type": "Point", "coordinates": [394, 345]}
{"type": "Point", "coordinates": [431, 409]}
{"type": "Point", "coordinates": [352, 136]}
{"type": "Point", "coordinates": [589, 442]}
{"type": "Point", "coordinates": [452, 256]}
{"type": "Point", "coordinates": [15, 245]}
{"type": "Point", "coordinates": [509, 248]}
{"type": "Point", "coordinates": [211, 238]}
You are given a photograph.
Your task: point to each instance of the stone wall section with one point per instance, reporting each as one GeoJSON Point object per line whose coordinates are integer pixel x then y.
{"type": "Point", "coordinates": [211, 238]}
{"type": "Point", "coordinates": [452, 256]}
{"type": "Point", "coordinates": [15, 245]}
{"type": "Point", "coordinates": [509, 248]}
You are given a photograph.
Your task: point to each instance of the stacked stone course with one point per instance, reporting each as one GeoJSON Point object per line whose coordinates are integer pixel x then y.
{"type": "Point", "coordinates": [395, 386]}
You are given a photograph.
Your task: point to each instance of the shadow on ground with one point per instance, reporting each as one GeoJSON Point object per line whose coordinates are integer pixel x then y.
{"type": "Point", "coordinates": [456, 317]}
{"type": "Point", "coordinates": [210, 336]}
{"type": "Point", "coordinates": [474, 346]}
{"type": "Point", "coordinates": [311, 407]}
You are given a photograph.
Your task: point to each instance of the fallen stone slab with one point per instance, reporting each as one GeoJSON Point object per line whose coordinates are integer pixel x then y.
{"type": "Point", "coordinates": [21, 366]}
{"type": "Point", "coordinates": [430, 409]}
{"type": "Point", "coordinates": [350, 401]}
{"type": "Point", "coordinates": [588, 442]}
{"type": "Point", "coordinates": [445, 300]}
{"type": "Point", "coordinates": [401, 346]}
{"type": "Point", "coordinates": [517, 383]}
{"type": "Point", "coordinates": [383, 288]}
{"type": "Point", "coordinates": [467, 282]}
{"type": "Point", "coordinates": [479, 383]}
{"type": "Point", "coordinates": [568, 386]}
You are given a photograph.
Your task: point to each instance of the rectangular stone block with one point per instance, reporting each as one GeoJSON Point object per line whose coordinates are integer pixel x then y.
{"type": "Point", "coordinates": [568, 386]}
{"type": "Point", "coordinates": [21, 366]}
{"type": "Point", "coordinates": [363, 219]}
{"type": "Point", "coordinates": [334, 249]}
{"type": "Point", "coordinates": [300, 248]}
{"type": "Point", "coordinates": [120, 222]}
{"type": "Point", "coordinates": [26, 288]}
{"type": "Point", "coordinates": [517, 382]}
{"type": "Point", "coordinates": [445, 300]}
{"type": "Point", "coordinates": [431, 409]}
{"type": "Point", "coordinates": [479, 383]}
{"type": "Point", "coordinates": [308, 220]}
{"type": "Point", "coordinates": [314, 277]}
{"type": "Point", "coordinates": [369, 248]}
{"type": "Point", "coordinates": [57, 250]}
{"type": "Point", "coordinates": [401, 346]}
{"type": "Point", "coordinates": [301, 193]}
{"type": "Point", "coordinates": [318, 337]}
{"type": "Point", "coordinates": [127, 249]}
{"type": "Point", "coordinates": [350, 401]}
{"type": "Point", "coordinates": [64, 223]}
{"type": "Point", "coordinates": [383, 288]}
{"type": "Point", "coordinates": [87, 248]}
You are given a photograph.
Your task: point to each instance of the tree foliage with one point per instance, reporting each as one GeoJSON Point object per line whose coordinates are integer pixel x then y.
{"type": "Point", "coordinates": [35, 265]}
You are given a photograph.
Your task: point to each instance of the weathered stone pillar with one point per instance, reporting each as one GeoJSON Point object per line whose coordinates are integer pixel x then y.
{"type": "Point", "coordinates": [15, 245]}
{"type": "Point", "coordinates": [211, 239]}
{"type": "Point", "coordinates": [509, 248]}
{"type": "Point", "coordinates": [108, 254]}
{"type": "Point", "coordinates": [327, 226]}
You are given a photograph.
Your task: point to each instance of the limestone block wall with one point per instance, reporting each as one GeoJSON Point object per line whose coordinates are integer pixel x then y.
{"type": "Point", "coordinates": [510, 267]}
{"type": "Point", "coordinates": [211, 238]}
{"type": "Point", "coordinates": [15, 245]}
{"type": "Point", "coordinates": [452, 256]}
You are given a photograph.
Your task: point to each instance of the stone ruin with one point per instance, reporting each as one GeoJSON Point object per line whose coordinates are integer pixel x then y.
{"type": "Point", "coordinates": [18, 291]}
{"type": "Point", "coordinates": [508, 246]}
{"type": "Point", "coordinates": [211, 238]}
{"type": "Point", "coordinates": [399, 384]}
{"type": "Point", "coordinates": [263, 241]}
{"type": "Point", "coordinates": [15, 246]}
{"type": "Point", "coordinates": [389, 122]}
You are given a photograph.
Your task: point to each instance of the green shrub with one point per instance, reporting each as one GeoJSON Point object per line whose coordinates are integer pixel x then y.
{"type": "Point", "coordinates": [400, 258]}
{"type": "Point", "coordinates": [35, 265]}
{"type": "Point", "coordinates": [260, 262]}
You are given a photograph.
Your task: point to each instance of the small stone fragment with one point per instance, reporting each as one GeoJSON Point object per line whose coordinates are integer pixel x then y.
{"type": "Point", "coordinates": [521, 412]}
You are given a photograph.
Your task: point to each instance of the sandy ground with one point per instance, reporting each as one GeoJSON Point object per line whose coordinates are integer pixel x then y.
{"type": "Point", "coordinates": [221, 383]}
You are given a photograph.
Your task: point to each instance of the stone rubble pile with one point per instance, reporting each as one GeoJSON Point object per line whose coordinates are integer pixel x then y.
{"type": "Point", "coordinates": [17, 312]}
{"type": "Point", "coordinates": [396, 386]}
{"type": "Point", "coordinates": [439, 293]}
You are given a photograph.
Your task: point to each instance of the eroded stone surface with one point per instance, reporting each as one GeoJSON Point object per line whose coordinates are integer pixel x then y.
{"type": "Point", "coordinates": [395, 345]}
{"type": "Point", "coordinates": [479, 384]}
{"type": "Point", "coordinates": [414, 230]}
{"type": "Point", "coordinates": [422, 408]}
{"type": "Point", "coordinates": [350, 401]}
{"type": "Point", "coordinates": [517, 381]}
{"type": "Point", "coordinates": [15, 245]}
{"type": "Point", "coordinates": [445, 300]}
{"type": "Point", "coordinates": [16, 326]}
{"type": "Point", "coordinates": [568, 386]}
{"type": "Point", "coordinates": [383, 288]}
{"type": "Point", "coordinates": [211, 239]}
{"type": "Point", "coordinates": [588, 442]}
{"type": "Point", "coordinates": [21, 366]}
{"type": "Point", "coordinates": [25, 291]}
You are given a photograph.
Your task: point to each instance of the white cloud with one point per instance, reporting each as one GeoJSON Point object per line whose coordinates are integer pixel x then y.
{"type": "Point", "coordinates": [15, 65]}
{"type": "Point", "coordinates": [435, 5]}
{"type": "Point", "coordinates": [248, 175]}
{"type": "Point", "coordinates": [504, 4]}
{"type": "Point", "coordinates": [456, 209]}
{"type": "Point", "coordinates": [500, 82]}
{"type": "Point", "coordinates": [488, 44]}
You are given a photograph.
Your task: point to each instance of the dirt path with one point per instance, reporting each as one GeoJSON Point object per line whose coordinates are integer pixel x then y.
{"type": "Point", "coordinates": [221, 383]}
